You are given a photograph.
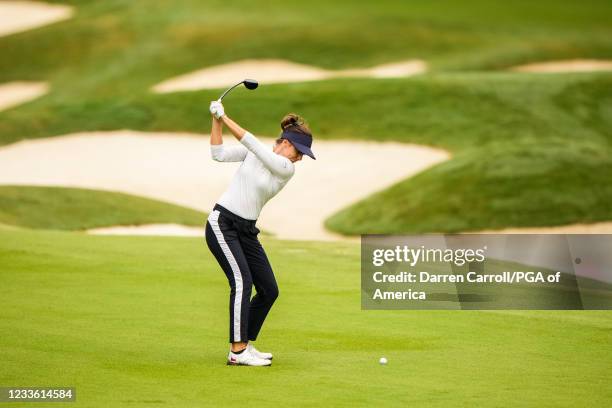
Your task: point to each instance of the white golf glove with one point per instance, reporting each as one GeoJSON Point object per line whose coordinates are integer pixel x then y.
{"type": "Point", "coordinates": [216, 109]}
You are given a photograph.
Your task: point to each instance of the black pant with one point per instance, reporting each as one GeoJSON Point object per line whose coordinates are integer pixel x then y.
{"type": "Point", "coordinates": [233, 241]}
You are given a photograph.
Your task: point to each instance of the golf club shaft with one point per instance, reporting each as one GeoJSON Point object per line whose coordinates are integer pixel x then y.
{"type": "Point", "coordinates": [227, 90]}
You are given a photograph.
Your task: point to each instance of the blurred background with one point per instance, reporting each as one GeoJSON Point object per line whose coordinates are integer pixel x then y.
{"type": "Point", "coordinates": [436, 116]}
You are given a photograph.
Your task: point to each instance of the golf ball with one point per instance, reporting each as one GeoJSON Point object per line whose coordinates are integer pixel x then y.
{"type": "Point", "coordinates": [382, 361]}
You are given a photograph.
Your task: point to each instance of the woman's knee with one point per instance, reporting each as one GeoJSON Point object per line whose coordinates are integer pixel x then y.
{"type": "Point", "coordinates": [272, 293]}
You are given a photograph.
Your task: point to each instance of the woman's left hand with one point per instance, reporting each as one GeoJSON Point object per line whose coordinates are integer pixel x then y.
{"type": "Point", "coordinates": [216, 109]}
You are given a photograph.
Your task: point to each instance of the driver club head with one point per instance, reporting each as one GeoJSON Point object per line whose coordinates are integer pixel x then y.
{"type": "Point", "coordinates": [250, 83]}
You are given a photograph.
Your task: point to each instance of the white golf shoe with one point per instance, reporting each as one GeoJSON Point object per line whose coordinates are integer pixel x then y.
{"type": "Point", "coordinates": [246, 358]}
{"type": "Point", "coordinates": [257, 353]}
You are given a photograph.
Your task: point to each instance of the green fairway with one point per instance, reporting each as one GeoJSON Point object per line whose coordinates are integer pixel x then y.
{"type": "Point", "coordinates": [79, 209]}
{"type": "Point", "coordinates": [130, 321]}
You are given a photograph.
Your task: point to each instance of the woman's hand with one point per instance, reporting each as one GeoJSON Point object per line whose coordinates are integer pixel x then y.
{"type": "Point", "coordinates": [216, 109]}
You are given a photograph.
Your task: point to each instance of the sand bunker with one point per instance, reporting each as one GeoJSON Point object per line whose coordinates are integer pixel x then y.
{"type": "Point", "coordinates": [16, 93]}
{"type": "Point", "coordinates": [17, 16]}
{"type": "Point", "coordinates": [175, 230]}
{"type": "Point", "coordinates": [565, 66]}
{"type": "Point", "coordinates": [177, 168]}
{"type": "Point", "coordinates": [596, 228]}
{"type": "Point", "coordinates": [270, 71]}
{"type": "Point", "coordinates": [187, 231]}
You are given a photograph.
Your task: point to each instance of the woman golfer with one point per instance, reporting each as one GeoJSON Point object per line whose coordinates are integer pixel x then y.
{"type": "Point", "coordinates": [231, 233]}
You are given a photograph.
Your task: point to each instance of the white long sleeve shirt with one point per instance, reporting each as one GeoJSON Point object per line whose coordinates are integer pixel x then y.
{"type": "Point", "coordinates": [260, 177]}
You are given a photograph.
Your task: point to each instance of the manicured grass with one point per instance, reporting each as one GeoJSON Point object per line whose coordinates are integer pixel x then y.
{"type": "Point", "coordinates": [78, 209]}
{"type": "Point", "coordinates": [143, 321]}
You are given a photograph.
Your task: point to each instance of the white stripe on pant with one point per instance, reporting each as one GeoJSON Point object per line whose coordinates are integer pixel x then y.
{"type": "Point", "coordinates": [214, 223]}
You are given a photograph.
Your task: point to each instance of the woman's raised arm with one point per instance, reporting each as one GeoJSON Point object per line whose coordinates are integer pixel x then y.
{"type": "Point", "coordinates": [277, 164]}
{"type": "Point", "coordinates": [218, 151]}
{"type": "Point", "coordinates": [215, 133]}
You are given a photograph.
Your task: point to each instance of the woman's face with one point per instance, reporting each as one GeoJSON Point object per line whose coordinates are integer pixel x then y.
{"type": "Point", "coordinates": [285, 148]}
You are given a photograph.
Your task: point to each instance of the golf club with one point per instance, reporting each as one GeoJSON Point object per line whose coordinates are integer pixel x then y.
{"type": "Point", "coordinates": [248, 83]}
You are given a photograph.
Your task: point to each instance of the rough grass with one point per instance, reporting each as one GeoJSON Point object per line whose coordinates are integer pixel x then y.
{"type": "Point", "coordinates": [79, 209]}
{"type": "Point", "coordinates": [143, 321]}
{"type": "Point", "coordinates": [113, 51]}
{"type": "Point", "coordinates": [528, 149]}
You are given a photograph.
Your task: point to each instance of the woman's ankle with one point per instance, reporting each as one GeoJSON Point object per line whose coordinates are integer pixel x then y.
{"type": "Point", "coordinates": [236, 347]}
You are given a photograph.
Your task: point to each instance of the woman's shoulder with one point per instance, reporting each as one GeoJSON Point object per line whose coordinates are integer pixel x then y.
{"type": "Point", "coordinates": [289, 165]}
